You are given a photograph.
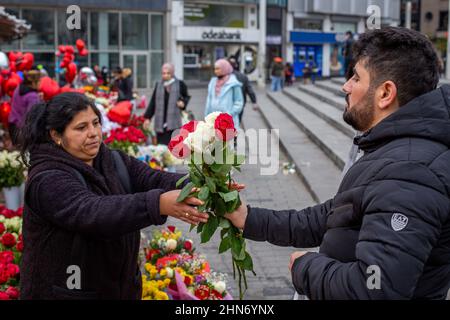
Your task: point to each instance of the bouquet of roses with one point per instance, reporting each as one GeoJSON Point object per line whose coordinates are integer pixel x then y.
{"type": "Point", "coordinates": [12, 170]}
{"type": "Point", "coordinates": [11, 247]}
{"type": "Point", "coordinates": [208, 145]}
{"type": "Point", "coordinates": [126, 139]}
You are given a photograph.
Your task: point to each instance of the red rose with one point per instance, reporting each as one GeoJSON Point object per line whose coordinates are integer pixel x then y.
{"type": "Point", "coordinates": [224, 126]}
{"type": "Point", "coordinates": [188, 245]}
{"type": "Point", "coordinates": [188, 128]}
{"type": "Point", "coordinates": [171, 229]}
{"type": "Point", "coordinates": [202, 292]}
{"type": "Point", "coordinates": [8, 240]}
{"type": "Point", "coordinates": [19, 246]}
{"type": "Point", "coordinates": [187, 281]}
{"type": "Point", "coordinates": [12, 270]}
{"type": "Point", "coordinates": [216, 295]}
{"type": "Point", "coordinates": [13, 293]}
{"type": "Point", "coordinates": [7, 257]}
{"type": "Point", "coordinates": [178, 148]}
{"type": "Point", "coordinates": [4, 296]}
{"type": "Point", "coordinates": [2, 228]}
{"type": "Point", "coordinates": [19, 212]}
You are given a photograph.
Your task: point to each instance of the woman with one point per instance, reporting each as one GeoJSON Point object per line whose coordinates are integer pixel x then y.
{"type": "Point", "coordinates": [81, 229]}
{"type": "Point", "coordinates": [225, 92]}
{"type": "Point", "coordinates": [123, 83]}
{"type": "Point", "coordinates": [25, 96]}
{"type": "Point", "coordinates": [168, 99]}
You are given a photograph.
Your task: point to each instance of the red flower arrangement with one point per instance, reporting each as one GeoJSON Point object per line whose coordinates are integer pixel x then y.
{"type": "Point", "coordinates": [126, 139]}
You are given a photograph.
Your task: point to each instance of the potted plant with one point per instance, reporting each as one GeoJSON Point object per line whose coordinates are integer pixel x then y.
{"type": "Point", "coordinates": [12, 176]}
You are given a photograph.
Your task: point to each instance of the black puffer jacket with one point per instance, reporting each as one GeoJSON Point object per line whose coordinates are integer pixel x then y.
{"type": "Point", "coordinates": [391, 214]}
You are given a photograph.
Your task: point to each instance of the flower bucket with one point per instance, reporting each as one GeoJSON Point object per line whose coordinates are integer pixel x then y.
{"type": "Point", "coordinates": [183, 293]}
{"type": "Point", "coordinates": [13, 197]}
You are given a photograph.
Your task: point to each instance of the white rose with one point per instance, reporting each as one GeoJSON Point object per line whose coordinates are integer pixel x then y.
{"type": "Point", "coordinates": [171, 244]}
{"type": "Point", "coordinates": [220, 286]}
{"type": "Point", "coordinates": [2, 218]}
{"type": "Point", "coordinates": [169, 272]}
{"type": "Point", "coordinates": [211, 118]}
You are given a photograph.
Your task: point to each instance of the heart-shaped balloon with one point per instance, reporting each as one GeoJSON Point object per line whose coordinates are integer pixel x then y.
{"type": "Point", "coordinates": [71, 72]}
{"type": "Point", "coordinates": [48, 87]}
{"type": "Point", "coordinates": [80, 45]}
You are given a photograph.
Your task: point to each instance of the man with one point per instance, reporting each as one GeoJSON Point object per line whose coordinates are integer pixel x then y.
{"type": "Point", "coordinates": [347, 52]}
{"type": "Point", "coordinates": [246, 86]}
{"type": "Point", "coordinates": [386, 234]}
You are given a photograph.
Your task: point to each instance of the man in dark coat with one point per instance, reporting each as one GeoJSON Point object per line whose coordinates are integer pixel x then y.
{"type": "Point", "coordinates": [386, 234]}
{"type": "Point", "coordinates": [247, 88]}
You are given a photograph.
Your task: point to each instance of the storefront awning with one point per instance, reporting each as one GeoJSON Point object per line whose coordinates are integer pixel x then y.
{"type": "Point", "coordinates": [11, 28]}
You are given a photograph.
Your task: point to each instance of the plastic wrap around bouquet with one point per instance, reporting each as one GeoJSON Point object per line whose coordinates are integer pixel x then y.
{"type": "Point", "coordinates": [183, 293]}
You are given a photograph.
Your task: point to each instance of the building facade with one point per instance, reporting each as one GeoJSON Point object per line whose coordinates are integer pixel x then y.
{"type": "Point", "coordinates": [117, 33]}
{"type": "Point", "coordinates": [317, 27]}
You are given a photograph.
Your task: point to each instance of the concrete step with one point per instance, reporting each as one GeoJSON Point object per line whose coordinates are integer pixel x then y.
{"type": "Point", "coordinates": [333, 142]}
{"type": "Point", "coordinates": [324, 95]}
{"type": "Point", "coordinates": [317, 171]}
{"type": "Point", "coordinates": [331, 87]}
{"type": "Point", "coordinates": [330, 114]}
{"type": "Point", "coordinates": [339, 81]}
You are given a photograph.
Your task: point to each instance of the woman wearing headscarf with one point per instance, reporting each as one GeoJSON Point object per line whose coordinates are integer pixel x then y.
{"type": "Point", "coordinates": [85, 206]}
{"type": "Point", "coordinates": [225, 92]}
{"type": "Point", "coordinates": [170, 96]}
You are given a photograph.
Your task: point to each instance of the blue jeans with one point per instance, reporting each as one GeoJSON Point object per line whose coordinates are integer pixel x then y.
{"type": "Point", "coordinates": [276, 83]}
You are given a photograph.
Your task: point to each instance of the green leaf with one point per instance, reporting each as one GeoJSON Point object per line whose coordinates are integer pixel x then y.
{"type": "Point", "coordinates": [247, 263]}
{"type": "Point", "coordinates": [220, 206]}
{"type": "Point", "coordinates": [225, 245]}
{"type": "Point", "coordinates": [229, 196]}
{"type": "Point", "coordinates": [204, 193]}
{"type": "Point", "coordinates": [215, 167]}
{"type": "Point", "coordinates": [211, 184]}
{"type": "Point", "coordinates": [191, 227]}
{"type": "Point", "coordinates": [200, 227]}
{"type": "Point", "coordinates": [209, 228]}
{"type": "Point", "coordinates": [179, 182]}
{"type": "Point", "coordinates": [196, 179]}
{"type": "Point", "coordinates": [236, 248]}
{"type": "Point", "coordinates": [204, 206]}
{"type": "Point", "coordinates": [223, 232]}
{"type": "Point", "coordinates": [185, 192]}
{"type": "Point", "coordinates": [224, 223]}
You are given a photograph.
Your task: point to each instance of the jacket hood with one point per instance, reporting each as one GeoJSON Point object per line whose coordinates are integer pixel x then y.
{"type": "Point", "coordinates": [427, 117]}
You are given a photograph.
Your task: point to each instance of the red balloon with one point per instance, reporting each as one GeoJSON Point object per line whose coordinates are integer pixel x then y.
{"type": "Point", "coordinates": [5, 110]}
{"type": "Point", "coordinates": [62, 48]}
{"type": "Point", "coordinates": [84, 52]}
{"type": "Point", "coordinates": [71, 72]}
{"type": "Point", "coordinates": [48, 87]}
{"type": "Point", "coordinates": [69, 50]}
{"type": "Point", "coordinates": [80, 45]}
{"type": "Point", "coordinates": [11, 84]}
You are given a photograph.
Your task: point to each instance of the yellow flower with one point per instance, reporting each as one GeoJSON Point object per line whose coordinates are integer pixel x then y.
{"type": "Point", "coordinates": [161, 296]}
{"type": "Point", "coordinates": [163, 272]}
{"type": "Point", "coordinates": [166, 282]}
{"type": "Point", "coordinates": [160, 284]}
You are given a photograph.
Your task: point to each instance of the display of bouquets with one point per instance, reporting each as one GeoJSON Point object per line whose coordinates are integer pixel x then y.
{"type": "Point", "coordinates": [11, 247]}
{"type": "Point", "coordinates": [126, 139]}
{"type": "Point", "coordinates": [12, 170]}
{"type": "Point", "coordinates": [208, 145]}
{"type": "Point", "coordinates": [165, 242]}
{"type": "Point", "coordinates": [157, 156]}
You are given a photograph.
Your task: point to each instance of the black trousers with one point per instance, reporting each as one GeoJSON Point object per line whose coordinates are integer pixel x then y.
{"type": "Point", "coordinates": [164, 138]}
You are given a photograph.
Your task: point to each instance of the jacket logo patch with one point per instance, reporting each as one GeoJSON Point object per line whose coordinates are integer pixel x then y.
{"type": "Point", "coordinates": [399, 221]}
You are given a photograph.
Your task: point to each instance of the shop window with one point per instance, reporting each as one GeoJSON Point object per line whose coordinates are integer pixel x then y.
{"type": "Point", "coordinates": [102, 24]}
{"type": "Point", "coordinates": [47, 60]}
{"type": "Point", "coordinates": [213, 15]}
{"type": "Point", "coordinates": [134, 31]}
{"type": "Point", "coordinates": [42, 34]}
{"type": "Point", "coordinates": [307, 24]}
{"type": "Point", "coordinates": [67, 36]}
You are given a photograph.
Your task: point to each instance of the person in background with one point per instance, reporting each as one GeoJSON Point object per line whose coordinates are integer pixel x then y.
{"type": "Point", "coordinates": [123, 81]}
{"type": "Point", "coordinates": [348, 52]}
{"type": "Point", "coordinates": [225, 92]}
{"type": "Point", "coordinates": [277, 73]}
{"type": "Point", "coordinates": [247, 88]}
{"type": "Point", "coordinates": [24, 98]}
{"type": "Point", "coordinates": [170, 96]}
{"type": "Point", "coordinates": [288, 74]}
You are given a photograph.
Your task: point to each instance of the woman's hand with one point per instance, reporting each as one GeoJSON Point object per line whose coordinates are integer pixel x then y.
{"type": "Point", "coordinates": [239, 216]}
{"type": "Point", "coordinates": [146, 124]}
{"type": "Point", "coordinates": [185, 211]}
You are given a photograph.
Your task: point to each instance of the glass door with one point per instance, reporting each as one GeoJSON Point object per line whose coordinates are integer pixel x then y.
{"type": "Point", "coordinates": [138, 63]}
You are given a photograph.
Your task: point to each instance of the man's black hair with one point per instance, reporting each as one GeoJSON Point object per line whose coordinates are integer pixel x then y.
{"type": "Point", "coordinates": [403, 56]}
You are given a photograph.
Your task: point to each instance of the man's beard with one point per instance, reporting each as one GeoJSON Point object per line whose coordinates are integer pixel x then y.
{"type": "Point", "coordinates": [362, 114]}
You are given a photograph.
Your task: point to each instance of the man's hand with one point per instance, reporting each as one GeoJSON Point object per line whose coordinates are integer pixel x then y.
{"type": "Point", "coordinates": [295, 256]}
{"type": "Point", "coordinates": [239, 216]}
